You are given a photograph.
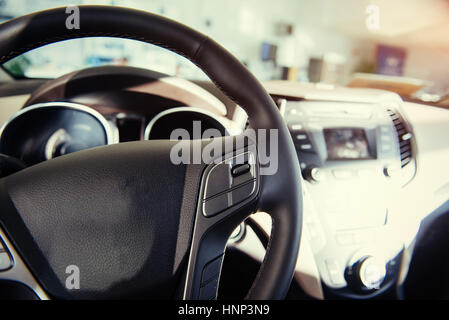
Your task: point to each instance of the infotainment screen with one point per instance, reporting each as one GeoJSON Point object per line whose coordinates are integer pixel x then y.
{"type": "Point", "coordinates": [347, 143]}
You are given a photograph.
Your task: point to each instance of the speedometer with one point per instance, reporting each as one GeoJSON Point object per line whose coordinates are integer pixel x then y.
{"type": "Point", "coordinates": [48, 130]}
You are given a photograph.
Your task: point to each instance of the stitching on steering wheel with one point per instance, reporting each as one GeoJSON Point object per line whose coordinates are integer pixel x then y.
{"type": "Point", "coordinates": [37, 44]}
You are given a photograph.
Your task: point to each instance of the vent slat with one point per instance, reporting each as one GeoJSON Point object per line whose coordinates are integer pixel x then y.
{"type": "Point", "coordinates": [405, 154]}
{"type": "Point", "coordinates": [405, 147]}
{"type": "Point", "coordinates": [405, 162]}
{"type": "Point", "coordinates": [394, 117]}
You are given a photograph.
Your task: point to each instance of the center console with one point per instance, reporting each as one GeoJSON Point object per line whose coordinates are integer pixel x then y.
{"type": "Point", "coordinates": [353, 157]}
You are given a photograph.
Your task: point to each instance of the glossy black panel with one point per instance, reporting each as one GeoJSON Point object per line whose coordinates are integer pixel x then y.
{"type": "Point", "coordinates": [165, 125]}
{"type": "Point", "coordinates": [27, 135]}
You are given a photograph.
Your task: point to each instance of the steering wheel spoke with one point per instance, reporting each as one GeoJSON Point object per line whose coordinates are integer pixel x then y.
{"type": "Point", "coordinates": [228, 194]}
{"type": "Point", "coordinates": [13, 268]}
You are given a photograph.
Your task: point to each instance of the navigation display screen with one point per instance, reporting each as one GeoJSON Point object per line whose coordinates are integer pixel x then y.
{"type": "Point", "coordinates": [346, 143]}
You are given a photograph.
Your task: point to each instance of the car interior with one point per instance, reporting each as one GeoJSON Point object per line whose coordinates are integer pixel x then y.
{"type": "Point", "coordinates": [289, 150]}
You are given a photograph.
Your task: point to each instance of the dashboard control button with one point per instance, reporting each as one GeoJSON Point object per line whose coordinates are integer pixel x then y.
{"type": "Point", "coordinates": [240, 169]}
{"type": "Point", "coordinates": [345, 238]}
{"type": "Point", "coordinates": [386, 138]}
{"type": "Point", "coordinates": [243, 169]}
{"type": "Point", "coordinates": [211, 270]}
{"type": "Point", "coordinates": [314, 174]}
{"type": "Point", "coordinates": [335, 273]}
{"type": "Point", "coordinates": [296, 126]}
{"type": "Point", "coordinates": [367, 273]}
{"type": "Point", "coordinates": [243, 178]}
{"type": "Point", "coordinates": [218, 180]}
{"type": "Point", "coordinates": [372, 273]}
{"type": "Point", "coordinates": [229, 174]}
{"type": "Point", "coordinates": [208, 291]}
{"type": "Point", "coordinates": [386, 147]}
{"type": "Point", "coordinates": [343, 174]}
{"type": "Point", "coordinates": [317, 174]}
{"type": "Point", "coordinates": [363, 236]}
{"type": "Point", "coordinates": [385, 129]}
{"type": "Point", "coordinates": [215, 205]}
{"type": "Point", "coordinates": [313, 233]}
{"type": "Point", "coordinates": [5, 261]}
{"type": "Point", "coordinates": [301, 136]}
{"type": "Point", "coordinates": [366, 173]}
{"type": "Point", "coordinates": [305, 147]}
{"type": "Point", "coordinates": [407, 136]}
{"type": "Point", "coordinates": [359, 238]}
{"type": "Point", "coordinates": [391, 171]}
{"type": "Point", "coordinates": [242, 193]}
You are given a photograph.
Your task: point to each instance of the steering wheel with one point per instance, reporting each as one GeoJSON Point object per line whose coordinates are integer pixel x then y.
{"type": "Point", "coordinates": [129, 220]}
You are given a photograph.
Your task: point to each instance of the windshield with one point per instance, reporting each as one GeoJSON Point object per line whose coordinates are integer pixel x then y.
{"type": "Point", "coordinates": [400, 45]}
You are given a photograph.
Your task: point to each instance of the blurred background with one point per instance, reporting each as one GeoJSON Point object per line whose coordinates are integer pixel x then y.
{"type": "Point", "coordinates": [400, 45]}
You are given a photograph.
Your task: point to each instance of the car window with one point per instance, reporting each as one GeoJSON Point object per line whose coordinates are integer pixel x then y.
{"type": "Point", "coordinates": [60, 58]}
{"type": "Point", "coordinates": [395, 45]}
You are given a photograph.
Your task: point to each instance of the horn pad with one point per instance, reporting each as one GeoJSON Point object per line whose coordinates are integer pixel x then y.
{"type": "Point", "coordinates": [112, 211]}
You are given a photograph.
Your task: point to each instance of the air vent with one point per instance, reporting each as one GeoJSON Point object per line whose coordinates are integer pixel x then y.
{"type": "Point", "coordinates": [404, 137]}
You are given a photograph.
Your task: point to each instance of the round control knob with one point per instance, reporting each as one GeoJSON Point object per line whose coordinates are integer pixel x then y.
{"type": "Point", "coordinates": [313, 174]}
{"type": "Point", "coordinates": [368, 273]}
{"type": "Point", "coordinates": [391, 171]}
{"type": "Point", "coordinates": [372, 272]}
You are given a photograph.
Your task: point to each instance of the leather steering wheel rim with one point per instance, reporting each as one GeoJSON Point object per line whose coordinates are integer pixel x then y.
{"type": "Point", "coordinates": [280, 194]}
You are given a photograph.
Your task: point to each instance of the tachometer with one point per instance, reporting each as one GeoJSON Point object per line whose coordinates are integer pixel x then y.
{"type": "Point", "coordinates": [194, 121]}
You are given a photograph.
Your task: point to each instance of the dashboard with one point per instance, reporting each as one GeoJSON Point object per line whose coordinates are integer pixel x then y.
{"type": "Point", "coordinates": [353, 155]}
{"type": "Point", "coordinates": [370, 177]}
{"type": "Point", "coordinates": [54, 129]}
{"type": "Point", "coordinates": [65, 115]}
{"type": "Point", "coordinates": [373, 166]}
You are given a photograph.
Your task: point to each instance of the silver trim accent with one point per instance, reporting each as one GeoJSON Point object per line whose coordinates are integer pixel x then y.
{"type": "Point", "coordinates": [238, 234]}
{"type": "Point", "coordinates": [54, 140]}
{"type": "Point", "coordinates": [76, 106]}
{"type": "Point", "coordinates": [240, 117]}
{"type": "Point", "coordinates": [115, 131]}
{"type": "Point", "coordinates": [180, 109]}
{"type": "Point", "coordinates": [19, 271]}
